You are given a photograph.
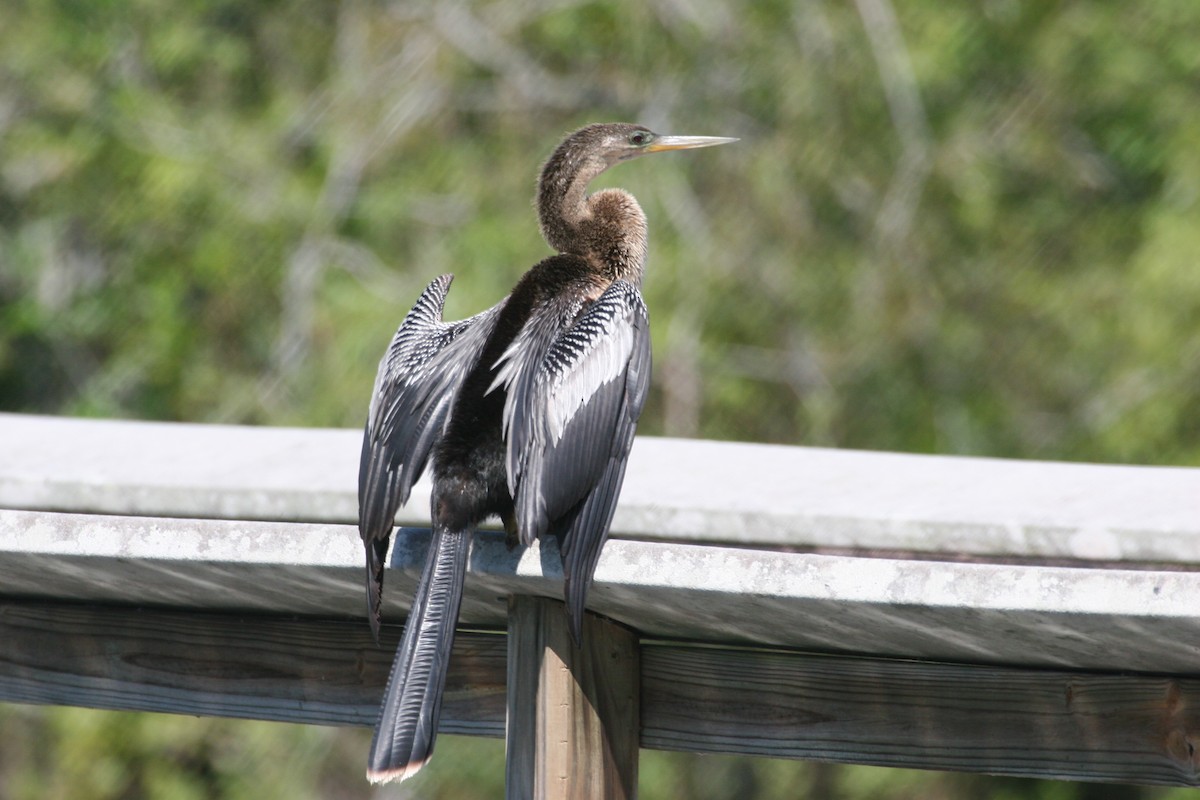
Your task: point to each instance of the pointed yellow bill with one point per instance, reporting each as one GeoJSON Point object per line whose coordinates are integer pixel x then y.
{"type": "Point", "coordinates": [663, 143]}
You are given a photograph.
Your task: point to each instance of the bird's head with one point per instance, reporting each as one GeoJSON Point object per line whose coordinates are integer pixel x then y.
{"type": "Point", "coordinates": [614, 142]}
{"type": "Point", "coordinates": [564, 207]}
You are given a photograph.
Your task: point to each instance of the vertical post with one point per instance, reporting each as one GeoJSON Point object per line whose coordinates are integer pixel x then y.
{"type": "Point", "coordinates": [574, 722]}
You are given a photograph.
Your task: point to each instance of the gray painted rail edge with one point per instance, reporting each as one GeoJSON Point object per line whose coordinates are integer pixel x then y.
{"type": "Point", "coordinates": [1139, 620]}
{"type": "Point", "coordinates": [754, 495]}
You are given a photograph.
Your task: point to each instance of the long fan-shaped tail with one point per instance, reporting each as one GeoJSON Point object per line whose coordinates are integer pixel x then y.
{"type": "Point", "coordinates": [412, 702]}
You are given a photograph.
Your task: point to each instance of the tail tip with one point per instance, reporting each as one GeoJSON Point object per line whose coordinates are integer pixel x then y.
{"type": "Point", "coordinates": [399, 772]}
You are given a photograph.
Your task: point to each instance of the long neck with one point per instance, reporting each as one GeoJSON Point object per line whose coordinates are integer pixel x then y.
{"type": "Point", "coordinates": [607, 229]}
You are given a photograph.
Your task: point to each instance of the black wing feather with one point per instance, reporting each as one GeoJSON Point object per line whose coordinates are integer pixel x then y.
{"type": "Point", "coordinates": [415, 387]}
{"type": "Point", "coordinates": [570, 423]}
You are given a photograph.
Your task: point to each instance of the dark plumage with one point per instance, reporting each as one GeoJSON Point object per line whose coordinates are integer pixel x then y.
{"type": "Point", "coordinates": [527, 411]}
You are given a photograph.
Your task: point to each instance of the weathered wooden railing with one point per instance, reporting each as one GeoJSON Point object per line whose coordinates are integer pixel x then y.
{"type": "Point", "coordinates": [1021, 618]}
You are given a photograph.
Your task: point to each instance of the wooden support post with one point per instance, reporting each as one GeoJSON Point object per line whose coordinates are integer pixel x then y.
{"type": "Point", "coordinates": [573, 714]}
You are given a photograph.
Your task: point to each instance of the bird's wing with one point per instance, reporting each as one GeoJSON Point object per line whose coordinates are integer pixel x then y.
{"type": "Point", "coordinates": [415, 387]}
{"type": "Point", "coordinates": [569, 420]}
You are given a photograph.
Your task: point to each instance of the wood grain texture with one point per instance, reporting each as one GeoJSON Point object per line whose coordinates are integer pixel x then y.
{"type": "Point", "coordinates": [932, 716]}
{"type": "Point", "coordinates": [1017, 669]}
{"type": "Point", "coordinates": [1054, 617]}
{"type": "Point", "coordinates": [1034, 723]}
{"type": "Point", "coordinates": [573, 713]}
{"type": "Point", "coordinates": [327, 672]}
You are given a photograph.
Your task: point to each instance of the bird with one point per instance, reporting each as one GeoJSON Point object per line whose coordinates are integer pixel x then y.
{"type": "Point", "coordinates": [527, 412]}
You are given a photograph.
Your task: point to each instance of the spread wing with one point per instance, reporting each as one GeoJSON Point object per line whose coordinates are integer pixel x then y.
{"type": "Point", "coordinates": [414, 390]}
{"type": "Point", "coordinates": [576, 386]}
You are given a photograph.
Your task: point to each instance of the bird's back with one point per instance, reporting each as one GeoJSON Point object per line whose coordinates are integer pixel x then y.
{"type": "Point", "coordinates": [469, 461]}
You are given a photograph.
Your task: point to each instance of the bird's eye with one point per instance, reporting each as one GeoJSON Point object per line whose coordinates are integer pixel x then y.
{"type": "Point", "coordinates": [639, 138]}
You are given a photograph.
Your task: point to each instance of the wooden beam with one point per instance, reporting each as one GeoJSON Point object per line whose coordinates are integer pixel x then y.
{"type": "Point", "coordinates": [969, 717]}
{"type": "Point", "coordinates": [1143, 620]}
{"type": "Point", "coordinates": [675, 490]}
{"type": "Point", "coordinates": [283, 669]}
{"type": "Point", "coordinates": [1017, 669]}
{"type": "Point", "coordinates": [572, 712]}
{"type": "Point", "coordinates": [966, 718]}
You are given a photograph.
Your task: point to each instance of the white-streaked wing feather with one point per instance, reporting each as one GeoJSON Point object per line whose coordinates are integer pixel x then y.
{"type": "Point", "coordinates": [569, 406]}
{"type": "Point", "coordinates": [518, 371]}
{"type": "Point", "coordinates": [595, 353]}
{"type": "Point", "coordinates": [415, 386]}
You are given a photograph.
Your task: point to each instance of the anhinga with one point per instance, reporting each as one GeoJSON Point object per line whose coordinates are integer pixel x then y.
{"type": "Point", "coordinates": [527, 410]}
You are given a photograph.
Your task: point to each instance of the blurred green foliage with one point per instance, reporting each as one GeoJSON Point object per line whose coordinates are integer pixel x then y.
{"type": "Point", "coordinates": [955, 228]}
{"type": "Point", "coordinates": [99, 755]}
